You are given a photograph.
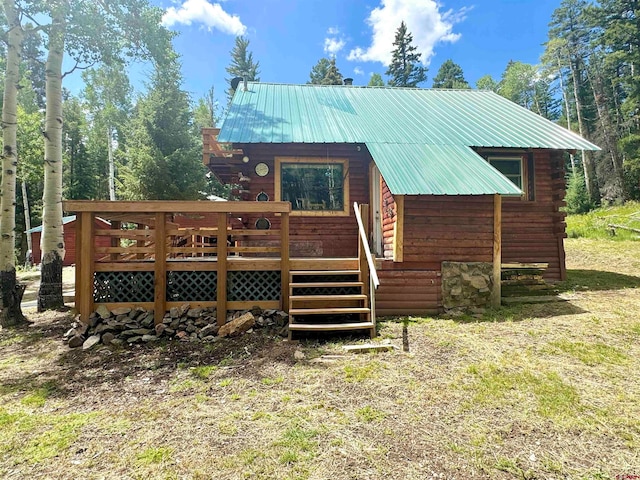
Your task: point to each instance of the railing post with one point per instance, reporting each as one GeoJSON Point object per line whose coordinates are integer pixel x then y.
{"type": "Point", "coordinates": [115, 241]}
{"type": "Point", "coordinates": [496, 294]}
{"type": "Point", "coordinates": [160, 274]}
{"type": "Point", "coordinates": [221, 296]}
{"type": "Point", "coordinates": [284, 260]}
{"type": "Point", "coordinates": [362, 257]}
{"type": "Point", "coordinates": [84, 265]}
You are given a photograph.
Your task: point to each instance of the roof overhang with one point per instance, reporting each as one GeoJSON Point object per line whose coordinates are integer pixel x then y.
{"type": "Point", "coordinates": [419, 169]}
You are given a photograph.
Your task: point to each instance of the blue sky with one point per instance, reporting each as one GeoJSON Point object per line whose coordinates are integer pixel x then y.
{"type": "Point", "coordinates": [288, 37]}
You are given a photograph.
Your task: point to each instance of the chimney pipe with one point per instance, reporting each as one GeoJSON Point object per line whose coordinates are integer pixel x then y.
{"type": "Point", "coordinates": [348, 81]}
{"type": "Point", "coordinates": [244, 83]}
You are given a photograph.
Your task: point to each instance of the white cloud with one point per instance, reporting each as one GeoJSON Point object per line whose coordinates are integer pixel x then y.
{"type": "Point", "coordinates": [424, 20]}
{"type": "Point", "coordinates": [358, 71]}
{"type": "Point", "coordinates": [333, 45]}
{"type": "Point", "coordinates": [333, 31]}
{"type": "Point", "coordinates": [211, 15]}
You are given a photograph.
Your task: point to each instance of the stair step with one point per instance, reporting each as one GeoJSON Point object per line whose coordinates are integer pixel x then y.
{"type": "Point", "coordinates": [327, 311]}
{"type": "Point", "coordinates": [319, 327]}
{"type": "Point", "coordinates": [328, 298]}
{"type": "Point", "coordinates": [326, 284]}
{"type": "Point", "coordinates": [324, 272]}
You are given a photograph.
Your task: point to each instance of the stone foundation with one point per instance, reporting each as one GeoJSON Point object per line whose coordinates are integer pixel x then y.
{"type": "Point", "coordinates": [466, 285]}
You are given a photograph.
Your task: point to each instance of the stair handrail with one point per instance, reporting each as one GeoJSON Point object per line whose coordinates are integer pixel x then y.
{"type": "Point", "coordinates": [365, 245]}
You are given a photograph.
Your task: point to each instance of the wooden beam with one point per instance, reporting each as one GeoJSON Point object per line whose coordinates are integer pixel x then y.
{"type": "Point", "coordinates": [284, 261]}
{"type": "Point", "coordinates": [157, 206]}
{"type": "Point", "coordinates": [362, 257]}
{"type": "Point", "coordinates": [398, 230]}
{"type": "Point", "coordinates": [160, 276]}
{"type": "Point", "coordinates": [496, 294]}
{"type": "Point", "coordinates": [84, 266]}
{"type": "Point", "coordinates": [222, 269]}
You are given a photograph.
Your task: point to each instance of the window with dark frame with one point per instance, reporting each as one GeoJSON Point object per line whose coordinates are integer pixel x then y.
{"type": "Point", "coordinates": [313, 186]}
{"type": "Point", "coordinates": [510, 167]}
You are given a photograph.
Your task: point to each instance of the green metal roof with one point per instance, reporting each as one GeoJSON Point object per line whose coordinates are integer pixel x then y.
{"type": "Point", "coordinates": [408, 131]}
{"type": "Point", "coordinates": [437, 170]}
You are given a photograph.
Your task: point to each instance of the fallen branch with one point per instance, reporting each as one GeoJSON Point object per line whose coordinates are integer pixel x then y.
{"type": "Point", "coordinates": [636, 230]}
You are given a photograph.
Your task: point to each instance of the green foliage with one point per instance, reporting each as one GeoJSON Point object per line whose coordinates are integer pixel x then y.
{"type": "Point", "coordinates": [450, 75]}
{"type": "Point", "coordinates": [206, 113]}
{"type": "Point", "coordinates": [577, 198]}
{"type": "Point", "coordinates": [487, 83]}
{"type": "Point", "coordinates": [405, 69]}
{"type": "Point", "coordinates": [522, 84]}
{"type": "Point", "coordinates": [325, 72]}
{"type": "Point", "coordinates": [242, 64]}
{"type": "Point", "coordinates": [376, 80]}
{"type": "Point", "coordinates": [594, 224]}
{"type": "Point", "coordinates": [333, 76]}
{"type": "Point", "coordinates": [163, 152]}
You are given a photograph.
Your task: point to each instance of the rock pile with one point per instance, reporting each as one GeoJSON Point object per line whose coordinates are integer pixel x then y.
{"type": "Point", "coordinates": [124, 325]}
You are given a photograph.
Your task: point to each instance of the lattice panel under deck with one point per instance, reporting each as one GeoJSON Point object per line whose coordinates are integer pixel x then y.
{"type": "Point", "coordinates": [191, 286]}
{"type": "Point", "coordinates": [116, 287]}
{"type": "Point", "coordinates": [258, 286]}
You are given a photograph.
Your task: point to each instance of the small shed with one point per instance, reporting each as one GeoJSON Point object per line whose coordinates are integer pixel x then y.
{"type": "Point", "coordinates": [69, 224]}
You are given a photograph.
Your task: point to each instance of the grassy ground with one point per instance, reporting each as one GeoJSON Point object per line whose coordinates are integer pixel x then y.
{"type": "Point", "coordinates": [544, 391]}
{"type": "Point", "coordinates": [595, 224]}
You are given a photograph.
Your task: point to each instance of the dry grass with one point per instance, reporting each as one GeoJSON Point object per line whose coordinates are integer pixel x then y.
{"type": "Point", "coordinates": [543, 391]}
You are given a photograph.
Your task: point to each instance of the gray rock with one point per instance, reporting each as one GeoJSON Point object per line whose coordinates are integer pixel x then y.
{"type": "Point", "coordinates": [136, 331]}
{"type": "Point", "coordinates": [174, 312]}
{"type": "Point", "coordinates": [116, 342]}
{"type": "Point", "coordinates": [121, 311]}
{"type": "Point", "coordinates": [194, 312]}
{"type": "Point", "coordinates": [160, 328]}
{"type": "Point", "coordinates": [190, 328]}
{"type": "Point", "coordinates": [175, 323]}
{"type": "Point", "coordinates": [149, 338]}
{"type": "Point", "coordinates": [107, 338]}
{"type": "Point", "coordinates": [90, 342]}
{"type": "Point", "coordinates": [103, 312]}
{"type": "Point", "coordinates": [76, 341]}
{"type": "Point", "coordinates": [135, 339]}
{"type": "Point", "coordinates": [211, 329]}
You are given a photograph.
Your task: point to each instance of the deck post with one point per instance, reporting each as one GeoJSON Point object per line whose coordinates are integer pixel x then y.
{"type": "Point", "coordinates": [362, 257]}
{"type": "Point", "coordinates": [496, 294]}
{"type": "Point", "coordinates": [115, 241]}
{"type": "Point", "coordinates": [84, 266]}
{"type": "Point", "coordinates": [160, 280]}
{"type": "Point", "coordinates": [221, 288]}
{"type": "Point", "coordinates": [284, 261]}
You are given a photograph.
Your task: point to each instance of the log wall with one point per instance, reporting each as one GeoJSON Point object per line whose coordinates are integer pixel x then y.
{"type": "Point", "coordinates": [312, 236]}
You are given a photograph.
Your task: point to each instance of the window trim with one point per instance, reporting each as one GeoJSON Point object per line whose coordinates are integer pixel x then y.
{"type": "Point", "coordinates": [314, 160]}
{"type": "Point", "coordinates": [524, 174]}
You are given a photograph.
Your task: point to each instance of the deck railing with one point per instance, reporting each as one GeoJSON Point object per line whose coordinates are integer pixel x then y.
{"type": "Point", "coordinates": [367, 265]}
{"type": "Point", "coordinates": [165, 254]}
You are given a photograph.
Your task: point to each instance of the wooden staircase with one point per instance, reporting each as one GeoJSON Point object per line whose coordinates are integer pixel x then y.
{"type": "Point", "coordinates": [329, 300]}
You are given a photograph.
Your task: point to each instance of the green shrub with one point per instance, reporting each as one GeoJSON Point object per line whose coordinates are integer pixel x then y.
{"type": "Point", "coordinates": [577, 198]}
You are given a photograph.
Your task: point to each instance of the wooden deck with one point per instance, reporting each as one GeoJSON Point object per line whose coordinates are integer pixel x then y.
{"type": "Point", "coordinates": [165, 254]}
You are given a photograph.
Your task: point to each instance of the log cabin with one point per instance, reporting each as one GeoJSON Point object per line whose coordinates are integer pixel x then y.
{"type": "Point", "coordinates": [354, 202]}
{"type": "Point", "coordinates": [458, 182]}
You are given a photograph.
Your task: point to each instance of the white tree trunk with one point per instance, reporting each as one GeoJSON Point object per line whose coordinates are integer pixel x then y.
{"type": "Point", "coordinates": [10, 311]}
{"type": "Point", "coordinates": [52, 241]}
{"type": "Point", "coordinates": [112, 167]}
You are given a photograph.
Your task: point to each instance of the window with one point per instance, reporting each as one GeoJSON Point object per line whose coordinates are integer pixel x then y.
{"type": "Point", "coordinates": [510, 167]}
{"type": "Point", "coordinates": [314, 186]}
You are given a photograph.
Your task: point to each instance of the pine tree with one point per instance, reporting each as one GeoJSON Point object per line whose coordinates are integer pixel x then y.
{"type": "Point", "coordinates": [333, 75]}
{"type": "Point", "coordinates": [164, 153]}
{"type": "Point", "coordinates": [242, 64]}
{"type": "Point", "coordinates": [450, 76]}
{"type": "Point", "coordinates": [376, 80]}
{"type": "Point", "coordinates": [319, 71]}
{"type": "Point", "coordinates": [405, 69]}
